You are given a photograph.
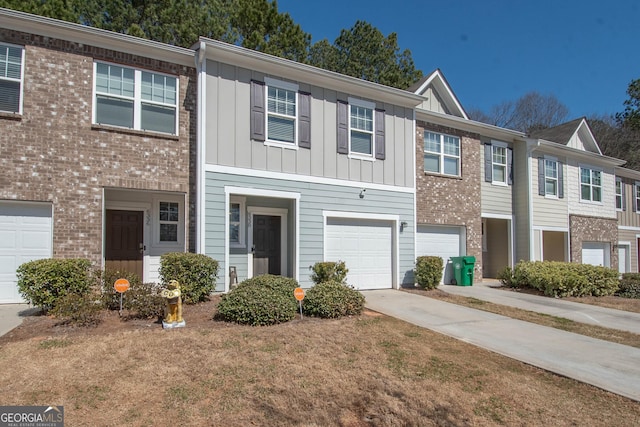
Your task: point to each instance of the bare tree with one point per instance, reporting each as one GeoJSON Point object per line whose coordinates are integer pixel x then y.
{"type": "Point", "coordinates": [530, 112]}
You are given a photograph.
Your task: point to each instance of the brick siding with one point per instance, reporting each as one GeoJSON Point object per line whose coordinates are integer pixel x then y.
{"type": "Point", "coordinates": [591, 229]}
{"type": "Point", "coordinates": [53, 153]}
{"type": "Point", "coordinates": [453, 201]}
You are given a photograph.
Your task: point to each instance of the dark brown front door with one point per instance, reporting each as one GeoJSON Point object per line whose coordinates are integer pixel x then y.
{"type": "Point", "coordinates": [124, 241]}
{"type": "Point", "coordinates": [266, 245]}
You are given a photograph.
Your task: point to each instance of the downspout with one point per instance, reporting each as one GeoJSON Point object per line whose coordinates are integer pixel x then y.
{"type": "Point", "coordinates": [201, 69]}
{"type": "Point", "coordinates": [415, 193]}
{"type": "Point", "coordinates": [530, 149]}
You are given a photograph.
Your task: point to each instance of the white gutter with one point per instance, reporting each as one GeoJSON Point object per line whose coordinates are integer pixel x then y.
{"type": "Point", "coordinates": [563, 150]}
{"type": "Point", "coordinates": [469, 125]}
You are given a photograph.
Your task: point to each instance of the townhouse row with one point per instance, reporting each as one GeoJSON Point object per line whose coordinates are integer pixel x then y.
{"type": "Point", "coordinates": [120, 149]}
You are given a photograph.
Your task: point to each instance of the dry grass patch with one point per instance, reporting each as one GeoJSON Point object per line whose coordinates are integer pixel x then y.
{"type": "Point", "coordinates": [594, 331]}
{"type": "Point", "coordinates": [369, 370]}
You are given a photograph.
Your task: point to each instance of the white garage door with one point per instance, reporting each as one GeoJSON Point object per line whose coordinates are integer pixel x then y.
{"type": "Point", "coordinates": [366, 248]}
{"type": "Point", "coordinates": [25, 235]}
{"type": "Point", "coordinates": [445, 242]}
{"type": "Point", "coordinates": [595, 253]}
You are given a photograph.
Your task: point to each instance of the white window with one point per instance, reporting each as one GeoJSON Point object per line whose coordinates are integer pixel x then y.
{"type": "Point", "coordinates": [361, 128]}
{"type": "Point", "coordinates": [11, 75]}
{"type": "Point", "coordinates": [281, 111]}
{"type": "Point", "coordinates": [619, 195]}
{"type": "Point", "coordinates": [169, 221]}
{"type": "Point", "coordinates": [499, 164]}
{"type": "Point", "coordinates": [236, 222]}
{"type": "Point", "coordinates": [550, 178]}
{"type": "Point", "coordinates": [636, 196]}
{"type": "Point", "coordinates": [590, 184]}
{"type": "Point", "coordinates": [441, 153]}
{"type": "Point", "coordinates": [135, 99]}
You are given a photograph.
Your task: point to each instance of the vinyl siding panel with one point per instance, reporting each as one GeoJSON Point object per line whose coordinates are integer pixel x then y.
{"type": "Point", "coordinates": [631, 236]}
{"type": "Point", "coordinates": [521, 202]}
{"type": "Point", "coordinates": [547, 211]}
{"type": "Point", "coordinates": [496, 199]}
{"type": "Point", "coordinates": [606, 209]}
{"type": "Point", "coordinates": [314, 199]}
{"type": "Point", "coordinates": [628, 218]}
{"type": "Point", "coordinates": [228, 138]}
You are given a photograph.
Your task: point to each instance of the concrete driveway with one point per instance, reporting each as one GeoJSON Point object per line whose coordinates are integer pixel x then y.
{"type": "Point", "coordinates": [610, 366]}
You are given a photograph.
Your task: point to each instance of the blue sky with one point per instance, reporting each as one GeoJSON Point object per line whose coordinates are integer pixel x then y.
{"type": "Point", "coordinates": [585, 52]}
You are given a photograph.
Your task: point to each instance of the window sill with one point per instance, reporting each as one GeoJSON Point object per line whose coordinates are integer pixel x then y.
{"type": "Point", "coordinates": [361, 157]}
{"type": "Point", "coordinates": [10, 116]}
{"type": "Point", "coordinates": [442, 175]}
{"type": "Point", "coordinates": [147, 133]}
{"type": "Point", "coordinates": [285, 145]}
{"type": "Point", "coordinates": [499, 184]}
{"type": "Point", "coordinates": [552, 197]}
{"type": "Point", "coordinates": [590, 202]}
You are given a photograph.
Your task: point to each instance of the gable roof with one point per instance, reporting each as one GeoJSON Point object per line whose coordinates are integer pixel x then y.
{"type": "Point", "coordinates": [564, 133]}
{"type": "Point", "coordinates": [442, 89]}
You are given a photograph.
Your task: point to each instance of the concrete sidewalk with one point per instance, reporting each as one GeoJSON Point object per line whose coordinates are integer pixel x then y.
{"type": "Point", "coordinates": [578, 312]}
{"type": "Point", "coordinates": [606, 365]}
{"type": "Point", "coordinates": [10, 316]}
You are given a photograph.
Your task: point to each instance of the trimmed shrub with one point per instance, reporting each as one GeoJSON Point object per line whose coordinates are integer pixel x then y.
{"type": "Point", "coordinates": [80, 310]}
{"type": "Point", "coordinates": [196, 274]}
{"type": "Point", "coordinates": [333, 299]}
{"type": "Point", "coordinates": [329, 271]}
{"type": "Point", "coordinates": [262, 300]}
{"type": "Point", "coordinates": [629, 286]}
{"type": "Point", "coordinates": [563, 279]}
{"type": "Point", "coordinates": [111, 298]}
{"type": "Point", "coordinates": [45, 281]}
{"type": "Point", "coordinates": [428, 271]}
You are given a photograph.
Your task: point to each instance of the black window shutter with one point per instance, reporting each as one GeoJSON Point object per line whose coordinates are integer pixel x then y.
{"type": "Point", "coordinates": [560, 181]}
{"type": "Point", "coordinates": [624, 195]}
{"type": "Point", "coordinates": [510, 166]}
{"type": "Point", "coordinates": [380, 139]}
{"type": "Point", "coordinates": [488, 164]}
{"type": "Point", "coordinates": [257, 111]}
{"type": "Point", "coordinates": [541, 186]}
{"type": "Point", "coordinates": [343, 127]}
{"type": "Point", "coordinates": [634, 200]}
{"type": "Point", "coordinates": [304, 120]}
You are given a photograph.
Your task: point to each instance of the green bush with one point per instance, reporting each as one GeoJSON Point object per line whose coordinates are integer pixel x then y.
{"type": "Point", "coordinates": [80, 310]}
{"type": "Point", "coordinates": [333, 299]}
{"type": "Point", "coordinates": [111, 298]}
{"type": "Point", "coordinates": [45, 281]}
{"type": "Point", "coordinates": [143, 301]}
{"type": "Point", "coordinates": [505, 276]}
{"type": "Point", "coordinates": [563, 279]}
{"type": "Point", "coordinates": [629, 286]}
{"type": "Point", "coordinates": [329, 271]}
{"type": "Point", "coordinates": [196, 274]}
{"type": "Point", "coordinates": [428, 271]}
{"type": "Point", "coordinates": [262, 300]}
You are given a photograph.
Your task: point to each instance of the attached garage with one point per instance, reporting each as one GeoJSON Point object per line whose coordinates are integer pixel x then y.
{"type": "Point", "coordinates": [366, 246]}
{"type": "Point", "coordinates": [442, 241]}
{"type": "Point", "coordinates": [25, 235]}
{"type": "Point", "coordinates": [596, 253]}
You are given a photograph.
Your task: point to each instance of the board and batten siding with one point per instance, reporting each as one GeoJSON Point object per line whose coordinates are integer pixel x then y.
{"type": "Point", "coordinates": [314, 199]}
{"type": "Point", "coordinates": [606, 209]}
{"type": "Point", "coordinates": [628, 218]}
{"type": "Point", "coordinates": [548, 211]}
{"type": "Point", "coordinates": [496, 199]}
{"type": "Point", "coordinates": [521, 188]}
{"type": "Point", "coordinates": [228, 141]}
{"type": "Point", "coordinates": [433, 102]}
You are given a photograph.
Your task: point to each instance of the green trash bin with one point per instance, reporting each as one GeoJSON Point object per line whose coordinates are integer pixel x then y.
{"type": "Point", "coordinates": [463, 270]}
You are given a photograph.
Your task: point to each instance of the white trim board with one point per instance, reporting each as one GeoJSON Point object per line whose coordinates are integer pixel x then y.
{"type": "Point", "coordinates": [254, 173]}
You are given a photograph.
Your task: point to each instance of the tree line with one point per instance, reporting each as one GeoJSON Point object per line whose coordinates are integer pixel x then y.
{"type": "Point", "coordinates": [361, 51]}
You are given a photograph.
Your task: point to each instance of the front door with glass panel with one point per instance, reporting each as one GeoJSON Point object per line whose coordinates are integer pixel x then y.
{"type": "Point", "coordinates": [266, 245]}
{"type": "Point", "coordinates": [124, 241]}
